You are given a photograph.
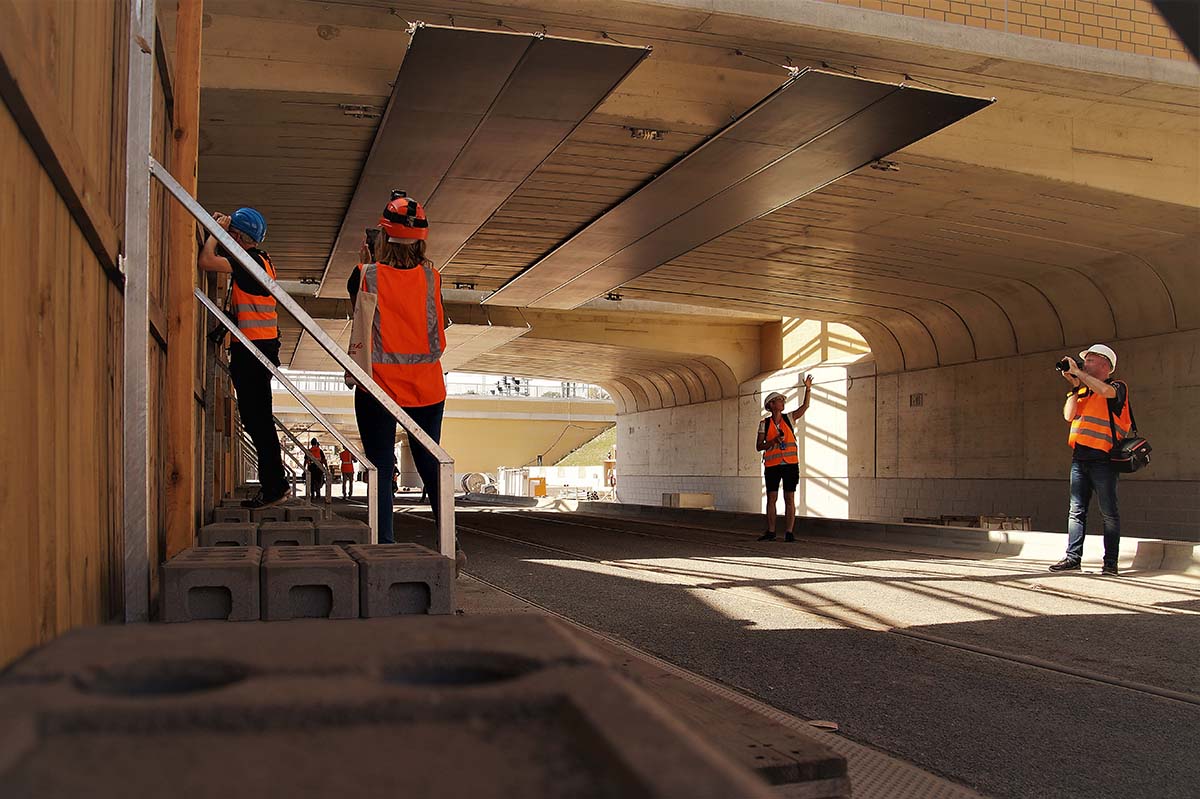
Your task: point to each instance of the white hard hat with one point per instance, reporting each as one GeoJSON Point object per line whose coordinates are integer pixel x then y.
{"type": "Point", "coordinates": [1106, 351]}
{"type": "Point", "coordinates": [774, 395]}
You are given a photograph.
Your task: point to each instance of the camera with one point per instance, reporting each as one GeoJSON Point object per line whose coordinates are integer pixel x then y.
{"type": "Point", "coordinates": [1066, 362]}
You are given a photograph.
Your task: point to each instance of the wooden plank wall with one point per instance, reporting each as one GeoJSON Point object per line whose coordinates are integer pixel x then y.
{"type": "Point", "coordinates": [62, 133]}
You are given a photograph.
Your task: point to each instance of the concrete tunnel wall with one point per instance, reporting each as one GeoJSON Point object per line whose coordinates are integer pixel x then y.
{"type": "Point", "coordinates": [978, 438]}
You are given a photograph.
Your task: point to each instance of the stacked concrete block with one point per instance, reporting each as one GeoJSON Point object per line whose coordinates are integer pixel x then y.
{"type": "Point", "coordinates": [230, 515]}
{"type": "Point", "coordinates": [309, 582]}
{"type": "Point", "coordinates": [228, 534]}
{"type": "Point", "coordinates": [304, 513]}
{"type": "Point", "coordinates": [341, 532]}
{"type": "Point", "coordinates": [275, 513]}
{"type": "Point", "coordinates": [212, 583]}
{"type": "Point", "coordinates": [403, 579]}
{"type": "Point", "coordinates": [536, 713]}
{"type": "Point", "coordinates": [286, 534]}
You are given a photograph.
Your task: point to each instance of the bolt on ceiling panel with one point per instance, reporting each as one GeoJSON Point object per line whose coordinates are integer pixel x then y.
{"type": "Point", "coordinates": [813, 130]}
{"type": "Point", "coordinates": [472, 115]}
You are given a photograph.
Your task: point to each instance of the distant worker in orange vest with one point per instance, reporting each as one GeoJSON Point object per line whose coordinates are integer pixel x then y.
{"type": "Point", "coordinates": [408, 340]}
{"type": "Point", "coordinates": [347, 472]}
{"type": "Point", "coordinates": [781, 458]}
{"type": "Point", "coordinates": [254, 313]}
{"type": "Point", "coordinates": [317, 473]}
{"type": "Point", "coordinates": [1096, 406]}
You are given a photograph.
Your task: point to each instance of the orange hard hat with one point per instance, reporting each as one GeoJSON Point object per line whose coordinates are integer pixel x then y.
{"type": "Point", "coordinates": [404, 218]}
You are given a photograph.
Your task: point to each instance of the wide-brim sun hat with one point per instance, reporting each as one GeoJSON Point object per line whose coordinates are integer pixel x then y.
{"type": "Point", "coordinates": [774, 395]}
{"type": "Point", "coordinates": [1102, 349]}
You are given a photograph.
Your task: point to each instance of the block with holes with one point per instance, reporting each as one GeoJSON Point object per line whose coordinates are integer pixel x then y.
{"type": "Point", "coordinates": [403, 579]}
{"type": "Point", "coordinates": [241, 515]}
{"type": "Point", "coordinates": [342, 532]}
{"type": "Point", "coordinates": [304, 513]}
{"type": "Point", "coordinates": [309, 582]}
{"type": "Point", "coordinates": [228, 534]}
{"type": "Point", "coordinates": [276, 513]}
{"type": "Point", "coordinates": [212, 583]}
{"type": "Point", "coordinates": [286, 534]}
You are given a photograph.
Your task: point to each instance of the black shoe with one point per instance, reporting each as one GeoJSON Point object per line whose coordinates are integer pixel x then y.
{"type": "Point", "coordinates": [1065, 565]}
{"type": "Point", "coordinates": [767, 536]}
{"type": "Point", "coordinates": [789, 538]}
{"type": "Point", "coordinates": [1110, 569]}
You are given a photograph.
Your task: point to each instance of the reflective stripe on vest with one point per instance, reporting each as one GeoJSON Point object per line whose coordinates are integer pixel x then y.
{"type": "Point", "coordinates": [1090, 426]}
{"type": "Point", "coordinates": [433, 329]}
{"type": "Point", "coordinates": [789, 452]}
{"type": "Point", "coordinates": [255, 313]}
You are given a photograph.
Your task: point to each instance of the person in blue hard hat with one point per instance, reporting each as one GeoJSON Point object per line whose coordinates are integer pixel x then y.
{"type": "Point", "coordinates": [255, 315]}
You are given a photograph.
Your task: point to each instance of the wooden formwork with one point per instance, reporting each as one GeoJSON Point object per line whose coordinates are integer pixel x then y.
{"type": "Point", "coordinates": [62, 194]}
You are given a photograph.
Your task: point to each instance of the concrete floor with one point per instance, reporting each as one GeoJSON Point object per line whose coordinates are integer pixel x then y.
{"type": "Point", "coordinates": [1089, 687]}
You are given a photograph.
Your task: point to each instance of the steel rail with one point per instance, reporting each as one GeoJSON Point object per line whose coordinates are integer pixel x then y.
{"type": "Point", "coordinates": [372, 470]}
{"type": "Point", "coordinates": [445, 498]}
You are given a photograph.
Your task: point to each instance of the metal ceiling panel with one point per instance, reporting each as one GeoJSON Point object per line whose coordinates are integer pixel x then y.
{"type": "Point", "coordinates": [816, 128]}
{"type": "Point", "coordinates": [472, 115]}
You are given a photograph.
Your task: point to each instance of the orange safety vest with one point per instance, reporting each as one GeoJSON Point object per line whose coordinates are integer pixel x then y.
{"type": "Point", "coordinates": [317, 454]}
{"type": "Point", "coordinates": [788, 453]}
{"type": "Point", "coordinates": [1090, 427]}
{"type": "Point", "coordinates": [255, 313]}
{"type": "Point", "coordinates": [407, 337]}
{"type": "Point", "coordinates": [347, 462]}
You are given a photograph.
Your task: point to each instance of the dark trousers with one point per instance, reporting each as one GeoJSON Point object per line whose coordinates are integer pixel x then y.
{"type": "Point", "coordinates": [316, 479]}
{"type": "Point", "coordinates": [377, 429]}
{"type": "Point", "coordinates": [252, 382]}
{"type": "Point", "coordinates": [1099, 478]}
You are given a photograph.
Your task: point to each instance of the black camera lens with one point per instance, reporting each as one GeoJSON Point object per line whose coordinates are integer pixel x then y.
{"type": "Point", "coordinates": [1065, 363]}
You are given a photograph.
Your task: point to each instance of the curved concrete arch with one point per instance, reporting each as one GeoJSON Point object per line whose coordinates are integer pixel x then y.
{"type": "Point", "coordinates": [622, 397]}
{"type": "Point", "coordinates": [692, 379]}
{"type": "Point", "coordinates": [680, 393]}
{"type": "Point", "coordinates": [726, 380]}
{"type": "Point", "coordinates": [666, 395]}
{"type": "Point", "coordinates": [1143, 302]}
{"type": "Point", "coordinates": [1176, 263]}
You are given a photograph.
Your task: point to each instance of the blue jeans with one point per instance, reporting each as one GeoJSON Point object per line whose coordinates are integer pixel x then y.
{"type": "Point", "coordinates": [377, 429]}
{"type": "Point", "coordinates": [1088, 477]}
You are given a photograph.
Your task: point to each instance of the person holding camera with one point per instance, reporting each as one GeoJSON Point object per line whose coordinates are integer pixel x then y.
{"type": "Point", "coordinates": [1097, 408]}
{"type": "Point", "coordinates": [781, 459]}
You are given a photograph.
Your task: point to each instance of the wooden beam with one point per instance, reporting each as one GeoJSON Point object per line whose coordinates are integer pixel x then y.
{"type": "Point", "coordinates": [182, 518]}
{"type": "Point", "coordinates": [32, 102]}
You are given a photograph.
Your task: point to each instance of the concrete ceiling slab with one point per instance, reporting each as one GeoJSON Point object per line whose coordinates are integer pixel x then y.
{"type": "Point", "coordinates": [816, 128]}
{"type": "Point", "coordinates": [472, 115]}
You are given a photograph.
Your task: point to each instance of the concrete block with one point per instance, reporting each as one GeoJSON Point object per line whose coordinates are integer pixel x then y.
{"type": "Point", "coordinates": [305, 513]}
{"type": "Point", "coordinates": [309, 582]}
{"type": "Point", "coordinates": [230, 515]}
{"type": "Point", "coordinates": [339, 532]}
{"type": "Point", "coordinates": [1180, 556]}
{"type": "Point", "coordinates": [535, 721]}
{"type": "Point", "coordinates": [275, 513]}
{"type": "Point", "coordinates": [403, 579]}
{"type": "Point", "coordinates": [228, 534]}
{"type": "Point", "coordinates": [285, 534]}
{"type": "Point", "coordinates": [1149, 555]}
{"type": "Point", "coordinates": [212, 583]}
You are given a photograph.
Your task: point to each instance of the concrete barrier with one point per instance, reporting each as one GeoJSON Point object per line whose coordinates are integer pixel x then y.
{"type": "Point", "coordinates": [228, 534]}
{"type": "Point", "coordinates": [212, 583]}
{"type": "Point", "coordinates": [402, 579]}
{"type": "Point", "coordinates": [220, 515]}
{"type": "Point", "coordinates": [308, 582]}
{"type": "Point", "coordinates": [285, 534]}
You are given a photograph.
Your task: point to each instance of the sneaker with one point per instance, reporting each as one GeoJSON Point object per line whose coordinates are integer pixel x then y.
{"type": "Point", "coordinates": [260, 500]}
{"type": "Point", "coordinates": [767, 536]}
{"type": "Point", "coordinates": [789, 538]}
{"type": "Point", "coordinates": [1110, 569]}
{"type": "Point", "coordinates": [1065, 565]}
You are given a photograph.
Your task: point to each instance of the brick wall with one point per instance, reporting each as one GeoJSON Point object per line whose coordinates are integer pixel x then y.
{"type": "Point", "coordinates": [1130, 26]}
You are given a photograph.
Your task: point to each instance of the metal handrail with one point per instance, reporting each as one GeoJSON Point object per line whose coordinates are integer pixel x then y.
{"type": "Point", "coordinates": [446, 539]}
{"type": "Point", "coordinates": [372, 470]}
{"type": "Point", "coordinates": [309, 457]}
{"type": "Point", "coordinates": [304, 450]}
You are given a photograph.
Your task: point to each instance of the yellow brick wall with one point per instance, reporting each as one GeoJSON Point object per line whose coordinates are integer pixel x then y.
{"type": "Point", "coordinates": [1131, 26]}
